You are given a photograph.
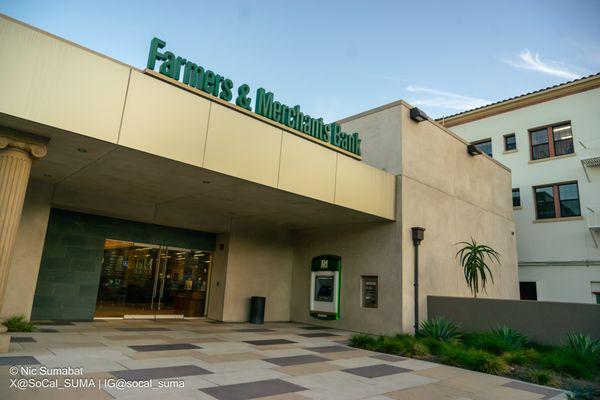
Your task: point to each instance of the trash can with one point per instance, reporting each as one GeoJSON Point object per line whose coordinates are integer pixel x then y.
{"type": "Point", "coordinates": [257, 310]}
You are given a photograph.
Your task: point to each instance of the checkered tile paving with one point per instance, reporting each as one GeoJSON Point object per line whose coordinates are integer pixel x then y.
{"type": "Point", "coordinates": [226, 361]}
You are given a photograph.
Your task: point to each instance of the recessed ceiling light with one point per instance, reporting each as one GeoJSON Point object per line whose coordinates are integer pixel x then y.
{"type": "Point", "coordinates": [82, 150]}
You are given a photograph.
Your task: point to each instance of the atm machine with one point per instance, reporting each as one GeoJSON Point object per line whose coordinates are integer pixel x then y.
{"type": "Point", "coordinates": [325, 284]}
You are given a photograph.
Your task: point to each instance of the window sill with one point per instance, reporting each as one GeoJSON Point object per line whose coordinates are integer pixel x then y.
{"type": "Point", "coordinates": [552, 158]}
{"type": "Point", "coordinates": [541, 221]}
{"type": "Point", "coordinates": [510, 151]}
{"type": "Point", "coordinates": [518, 208]}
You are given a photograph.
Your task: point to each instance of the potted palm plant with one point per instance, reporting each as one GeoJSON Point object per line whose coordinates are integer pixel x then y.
{"type": "Point", "coordinates": [473, 258]}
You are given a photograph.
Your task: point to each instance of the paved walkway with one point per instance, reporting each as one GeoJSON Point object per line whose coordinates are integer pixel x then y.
{"type": "Point", "coordinates": [198, 359]}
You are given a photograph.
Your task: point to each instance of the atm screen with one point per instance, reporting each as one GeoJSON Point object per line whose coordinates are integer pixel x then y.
{"type": "Point", "coordinates": [324, 288]}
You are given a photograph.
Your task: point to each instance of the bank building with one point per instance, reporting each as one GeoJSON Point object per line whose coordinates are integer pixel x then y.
{"type": "Point", "coordinates": [128, 193]}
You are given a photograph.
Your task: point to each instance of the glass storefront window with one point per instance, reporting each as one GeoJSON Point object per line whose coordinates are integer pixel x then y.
{"type": "Point", "coordinates": [152, 280]}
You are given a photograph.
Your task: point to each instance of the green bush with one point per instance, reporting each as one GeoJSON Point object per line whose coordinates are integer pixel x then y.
{"type": "Point", "coordinates": [433, 345]}
{"type": "Point", "coordinates": [566, 362]}
{"type": "Point", "coordinates": [416, 349]}
{"type": "Point", "coordinates": [18, 323]}
{"type": "Point", "coordinates": [525, 357]}
{"type": "Point", "coordinates": [363, 341]}
{"type": "Point", "coordinates": [492, 352]}
{"type": "Point", "coordinates": [581, 344]}
{"type": "Point", "coordinates": [486, 341]}
{"type": "Point", "coordinates": [440, 329]}
{"type": "Point", "coordinates": [393, 345]}
{"type": "Point", "coordinates": [494, 365]}
{"type": "Point", "coordinates": [404, 345]}
{"type": "Point", "coordinates": [474, 359]}
{"type": "Point", "coordinates": [540, 377]}
{"type": "Point", "coordinates": [510, 337]}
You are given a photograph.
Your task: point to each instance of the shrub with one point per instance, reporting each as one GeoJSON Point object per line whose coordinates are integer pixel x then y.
{"type": "Point", "coordinates": [440, 329]}
{"type": "Point", "coordinates": [510, 337]}
{"type": "Point", "coordinates": [583, 392]}
{"type": "Point", "coordinates": [362, 341]}
{"type": "Point", "coordinates": [474, 359]}
{"type": "Point", "coordinates": [524, 357]}
{"type": "Point", "coordinates": [433, 345]}
{"type": "Point", "coordinates": [566, 362]}
{"type": "Point", "coordinates": [402, 344]}
{"type": "Point", "coordinates": [486, 341]}
{"type": "Point", "coordinates": [454, 356]}
{"type": "Point", "coordinates": [417, 349]}
{"type": "Point", "coordinates": [540, 377]}
{"type": "Point", "coordinates": [581, 344]}
{"type": "Point", "coordinates": [494, 365]}
{"type": "Point", "coordinates": [18, 323]}
{"type": "Point", "coordinates": [393, 345]}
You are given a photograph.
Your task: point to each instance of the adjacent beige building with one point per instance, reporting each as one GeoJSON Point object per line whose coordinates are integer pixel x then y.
{"type": "Point", "coordinates": [124, 193]}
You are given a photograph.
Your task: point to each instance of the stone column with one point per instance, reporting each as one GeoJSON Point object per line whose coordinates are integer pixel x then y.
{"type": "Point", "coordinates": [15, 164]}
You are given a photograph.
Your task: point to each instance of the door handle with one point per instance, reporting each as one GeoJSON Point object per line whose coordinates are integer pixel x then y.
{"type": "Point", "coordinates": [156, 276]}
{"type": "Point", "coordinates": [164, 277]}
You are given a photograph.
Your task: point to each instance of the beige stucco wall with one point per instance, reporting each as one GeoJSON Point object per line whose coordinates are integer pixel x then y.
{"type": "Point", "coordinates": [58, 84]}
{"type": "Point", "coordinates": [356, 184]}
{"type": "Point", "coordinates": [315, 178]}
{"type": "Point", "coordinates": [27, 255]}
{"type": "Point", "coordinates": [366, 249]}
{"type": "Point", "coordinates": [159, 119]}
{"type": "Point", "coordinates": [382, 136]}
{"type": "Point", "coordinates": [259, 263]}
{"type": "Point", "coordinates": [455, 197]}
{"type": "Point", "coordinates": [218, 278]}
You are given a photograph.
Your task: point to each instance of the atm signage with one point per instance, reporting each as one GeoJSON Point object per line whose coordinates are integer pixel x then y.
{"type": "Point", "coordinates": [196, 76]}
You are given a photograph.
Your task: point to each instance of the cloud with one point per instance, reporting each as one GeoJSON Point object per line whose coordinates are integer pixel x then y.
{"type": "Point", "coordinates": [533, 62]}
{"type": "Point", "coordinates": [447, 100]}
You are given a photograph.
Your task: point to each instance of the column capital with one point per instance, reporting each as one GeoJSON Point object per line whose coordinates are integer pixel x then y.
{"type": "Point", "coordinates": [35, 150]}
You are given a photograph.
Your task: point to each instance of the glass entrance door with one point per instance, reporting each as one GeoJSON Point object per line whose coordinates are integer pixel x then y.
{"type": "Point", "coordinates": [182, 282]}
{"type": "Point", "coordinates": [142, 280]}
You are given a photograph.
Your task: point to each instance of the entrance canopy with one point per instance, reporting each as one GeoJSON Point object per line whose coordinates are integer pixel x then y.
{"type": "Point", "coordinates": [126, 144]}
{"type": "Point", "coordinates": [101, 178]}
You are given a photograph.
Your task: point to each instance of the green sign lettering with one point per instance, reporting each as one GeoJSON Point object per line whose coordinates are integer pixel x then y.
{"type": "Point", "coordinates": [219, 86]}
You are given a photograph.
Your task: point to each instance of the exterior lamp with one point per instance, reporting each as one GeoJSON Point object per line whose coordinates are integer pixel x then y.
{"type": "Point", "coordinates": [418, 115]}
{"type": "Point", "coordinates": [417, 236]}
{"type": "Point", "coordinates": [473, 150]}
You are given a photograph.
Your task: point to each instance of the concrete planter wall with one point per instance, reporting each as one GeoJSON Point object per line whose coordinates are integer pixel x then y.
{"type": "Point", "coordinates": [542, 321]}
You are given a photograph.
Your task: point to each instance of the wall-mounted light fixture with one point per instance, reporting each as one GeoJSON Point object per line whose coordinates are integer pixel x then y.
{"type": "Point", "coordinates": [473, 150]}
{"type": "Point", "coordinates": [418, 234]}
{"type": "Point", "coordinates": [418, 115]}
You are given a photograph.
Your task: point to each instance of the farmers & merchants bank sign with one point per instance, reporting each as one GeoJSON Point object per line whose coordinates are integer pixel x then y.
{"type": "Point", "coordinates": [219, 86]}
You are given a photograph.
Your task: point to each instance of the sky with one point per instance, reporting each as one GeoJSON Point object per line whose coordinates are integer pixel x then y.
{"type": "Point", "coordinates": [339, 58]}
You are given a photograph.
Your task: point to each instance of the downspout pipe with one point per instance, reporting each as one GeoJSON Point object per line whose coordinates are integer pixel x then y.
{"type": "Point", "coordinates": [417, 237]}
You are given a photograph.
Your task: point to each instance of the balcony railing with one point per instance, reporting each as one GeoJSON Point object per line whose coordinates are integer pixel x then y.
{"type": "Point", "coordinates": [590, 158]}
{"type": "Point", "coordinates": [593, 223]}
